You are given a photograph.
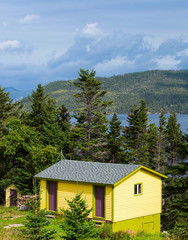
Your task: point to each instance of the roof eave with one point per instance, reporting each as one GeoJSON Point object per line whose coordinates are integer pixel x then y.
{"type": "Point", "coordinates": [136, 170]}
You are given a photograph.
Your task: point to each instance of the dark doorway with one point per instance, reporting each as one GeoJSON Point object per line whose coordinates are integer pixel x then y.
{"type": "Point", "coordinates": [52, 192]}
{"type": "Point", "coordinates": [99, 201]}
{"type": "Point", "coordinates": [13, 197]}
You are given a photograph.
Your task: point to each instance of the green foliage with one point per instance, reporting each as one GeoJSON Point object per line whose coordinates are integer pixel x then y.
{"type": "Point", "coordinates": [160, 89]}
{"type": "Point", "coordinates": [91, 126]}
{"type": "Point", "coordinates": [107, 233]}
{"type": "Point", "coordinates": [136, 135]}
{"type": "Point", "coordinates": [35, 227]}
{"type": "Point", "coordinates": [7, 109]}
{"type": "Point", "coordinates": [115, 141]}
{"type": "Point", "coordinates": [75, 222]}
{"type": "Point", "coordinates": [174, 136]}
{"type": "Point", "coordinates": [162, 143]}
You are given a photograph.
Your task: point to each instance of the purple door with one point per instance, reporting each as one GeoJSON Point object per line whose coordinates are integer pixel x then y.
{"type": "Point", "coordinates": [13, 197]}
{"type": "Point", "coordinates": [99, 201]}
{"type": "Point", "coordinates": [52, 192]}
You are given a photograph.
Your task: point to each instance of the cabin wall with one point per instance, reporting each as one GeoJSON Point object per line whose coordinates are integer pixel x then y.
{"type": "Point", "coordinates": [108, 203]}
{"type": "Point", "coordinates": [67, 190]}
{"type": "Point", "coordinates": [147, 224]}
{"type": "Point", "coordinates": [130, 206]}
{"type": "Point", "coordinates": [43, 194]}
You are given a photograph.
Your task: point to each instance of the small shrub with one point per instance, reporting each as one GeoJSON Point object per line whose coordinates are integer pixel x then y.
{"type": "Point", "coordinates": [120, 235]}
{"type": "Point", "coordinates": [36, 223]}
{"type": "Point", "coordinates": [106, 231]}
{"type": "Point", "coordinates": [75, 223]}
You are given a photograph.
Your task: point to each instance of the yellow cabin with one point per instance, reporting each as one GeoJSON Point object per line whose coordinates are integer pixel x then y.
{"type": "Point", "coordinates": [128, 196]}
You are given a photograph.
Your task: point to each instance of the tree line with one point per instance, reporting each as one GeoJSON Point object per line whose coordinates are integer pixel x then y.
{"type": "Point", "coordinates": [32, 141]}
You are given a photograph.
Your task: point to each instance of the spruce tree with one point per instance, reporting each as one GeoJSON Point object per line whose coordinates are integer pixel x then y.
{"type": "Point", "coordinates": [115, 141]}
{"type": "Point", "coordinates": [152, 145]}
{"type": "Point", "coordinates": [175, 213]}
{"type": "Point", "coordinates": [7, 109]}
{"type": "Point", "coordinates": [38, 113]}
{"type": "Point", "coordinates": [64, 118]}
{"type": "Point", "coordinates": [75, 224]}
{"type": "Point", "coordinates": [91, 127]}
{"type": "Point", "coordinates": [162, 143]}
{"type": "Point", "coordinates": [174, 137]}
{"type": "Point", "coordinates": [136, 135]}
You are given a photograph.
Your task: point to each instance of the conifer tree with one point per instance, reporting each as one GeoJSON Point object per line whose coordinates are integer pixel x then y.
{"type": "Point", "coordinates": [7, 109]}
{"type": "Point", "coordinates": [152, 145]}
{"type": "Point", "coordinates": [38, 113]}
{"type": "Point", "coordinates": [91, 127]}
{"type": "Point", "coordinates": [175, 214]}
{"type": "Point", "coordinates": [174, 137]}
{"type": "Point", "coordinates": [115, 141]}
{"type": "Point", "coordinates": [162, 143]}
{"type": "Point", "coordinates": [136, 135]}
{"type": "Point", "coordinates": [64, 118]}
{"type": "Point", "coordinates": [75, 223]}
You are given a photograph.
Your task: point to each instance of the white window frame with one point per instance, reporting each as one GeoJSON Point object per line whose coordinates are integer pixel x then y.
{"type": "Point", "coordinates": [138, 189]}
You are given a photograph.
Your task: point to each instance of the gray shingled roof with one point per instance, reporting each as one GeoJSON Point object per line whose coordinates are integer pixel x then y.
{"type": "Point", "coordinates": [90, 172]}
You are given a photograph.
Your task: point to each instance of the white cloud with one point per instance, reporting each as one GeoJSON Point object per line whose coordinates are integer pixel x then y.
{"type": "Point", "coordinates": [9, 44]}
{"type": "Point", "coordinates": [117, 65]}
{"type": "Point", "coordinates": [152, 43]}
{"type": "Point", "coordinates": [91, 29]}
{"type": "Point", "coordinates": [29, 18]}
{"type": "Point", "coordinates": [167, 62]}
{"type": "Point", "coordinates": [183, 53]}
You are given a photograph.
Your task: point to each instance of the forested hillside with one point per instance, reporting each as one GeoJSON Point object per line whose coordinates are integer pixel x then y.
{"type": "Point", "coordinates": [160, 89]}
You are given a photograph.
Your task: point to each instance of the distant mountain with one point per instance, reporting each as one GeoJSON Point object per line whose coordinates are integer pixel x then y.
{"type": "Point", "coordinates": [160, 89]}
{"type": "Point", "coordinates": [17, 94]}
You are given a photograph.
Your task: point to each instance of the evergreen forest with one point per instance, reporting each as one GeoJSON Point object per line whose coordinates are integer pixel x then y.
{"type": "Point", "coordinates": [159, 88]}
{"type": "Point", "coordinates": [32, 140]}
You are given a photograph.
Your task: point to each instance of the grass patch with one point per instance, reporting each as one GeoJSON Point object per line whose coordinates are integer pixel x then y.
{"type": "Point", "coordinates": [144, 236]}
{"type": "Point", "coordinates": [12, 216]}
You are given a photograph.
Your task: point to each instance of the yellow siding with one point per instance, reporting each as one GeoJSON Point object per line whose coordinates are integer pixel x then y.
{"type": "Point", "coordinates": [108, 203]}
{"type": "Point", "coordinates": [7, 202]}
{"type": "Point", "coordinates": [148, 224]}
{"type": "Point", "coordinates": [67, 190]}
{"type": "Point", "coordinates": [128, 206]}
{"type": "Point", "coordinates": [43, 194]}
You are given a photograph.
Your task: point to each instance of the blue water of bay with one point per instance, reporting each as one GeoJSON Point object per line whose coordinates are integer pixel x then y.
{"type": "Point", "coordinates": [153, 118]}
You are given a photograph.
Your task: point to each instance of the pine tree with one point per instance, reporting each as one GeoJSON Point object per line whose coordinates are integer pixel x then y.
{"type": "Point", "coordinates": [175, 214]}
{"type": "Point", "coordinates": [75, 223]}
{"type": "Point", "coordinates": [162, 143]}
{"type": "Point", "coordinates": [152, 145]}
{"type": "Point", "coordinates": [136, 135]}
{"type": "Point", "coordinates": [35, 227]}
{"type": "Point", "coordinates": [64, 118]}
{"type": "Point", "coordinates": [174, 137]}
{"type": "Point", "coordinates": [91, 127]}
{"type": "Point", "coordinates": [7, 109]}
{"type": "Point", "coordinates": [38, 113]}
{"type": "Point", "coordinates": [115, 141]}
{"type": "Point", "coordinates": [175, 210]}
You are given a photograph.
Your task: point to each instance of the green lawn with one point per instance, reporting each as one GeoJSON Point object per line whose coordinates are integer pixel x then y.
{"type": "Point", "coordinates": [12, 216]}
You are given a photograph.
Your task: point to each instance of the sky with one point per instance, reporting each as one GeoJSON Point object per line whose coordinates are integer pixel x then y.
{"type": "Point", "coordinates": [43, 40]}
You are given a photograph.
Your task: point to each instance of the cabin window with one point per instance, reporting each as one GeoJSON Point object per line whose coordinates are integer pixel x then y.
{"type": "Point", "coordinates": [138, 189]}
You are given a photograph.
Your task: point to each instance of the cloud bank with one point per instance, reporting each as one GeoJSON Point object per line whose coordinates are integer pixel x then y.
{"type": "Point", "coordinates": [93, 48]}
